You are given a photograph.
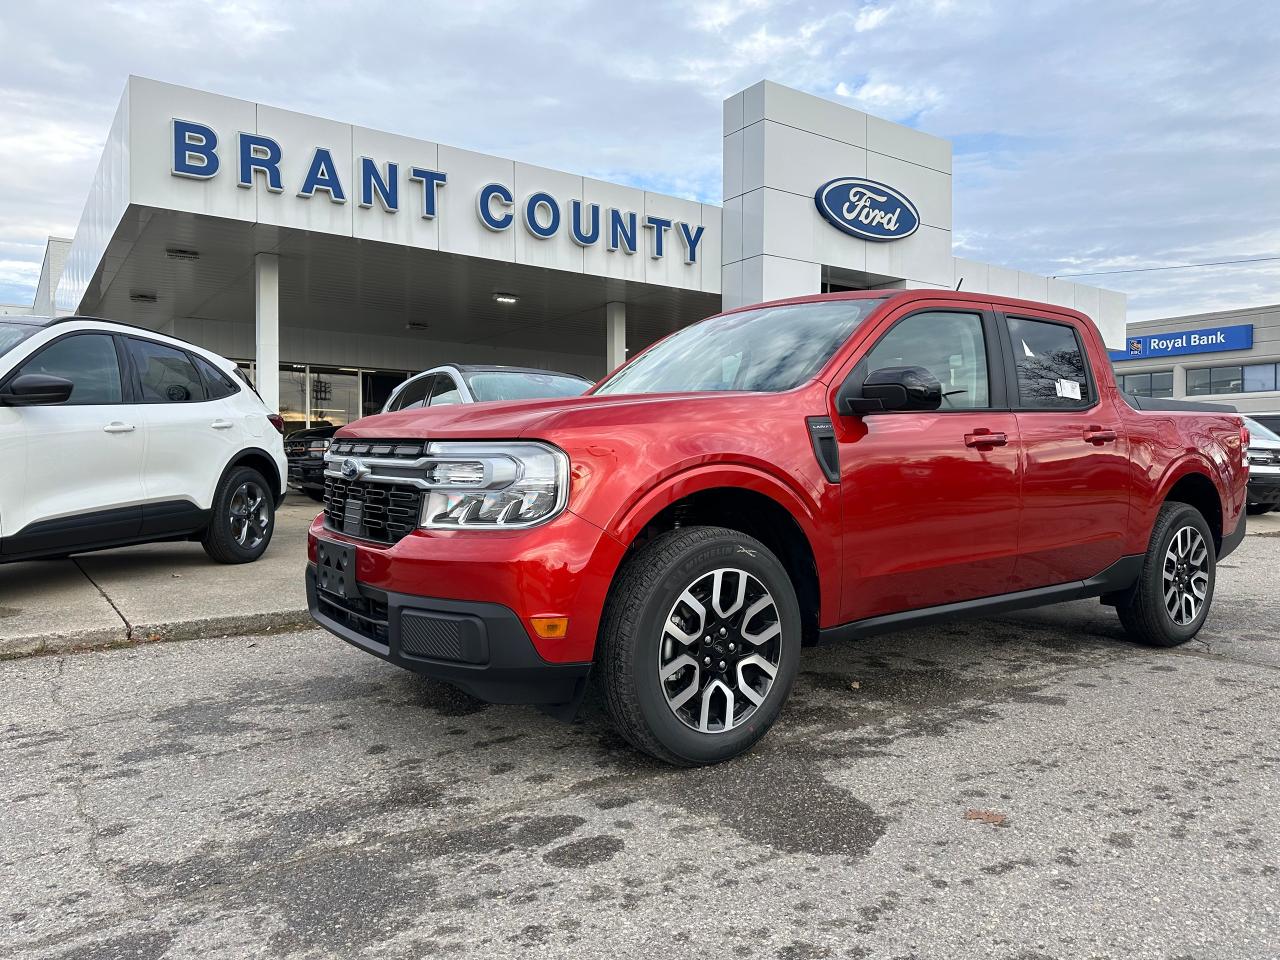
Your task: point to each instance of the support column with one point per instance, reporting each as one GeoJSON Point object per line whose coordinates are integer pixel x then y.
{"type": "Point", "coordinates": [266, 300]}
{"type": "Point", "coordinates": [615, 327]}
{"type": "Point", "coordinates": [1179, 381]}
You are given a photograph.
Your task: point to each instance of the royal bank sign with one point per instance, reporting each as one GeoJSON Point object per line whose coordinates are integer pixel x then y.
{"type": "Point", "coordinates": [866, 209]}
{"type": "Point", "coordinates": [406, 190]}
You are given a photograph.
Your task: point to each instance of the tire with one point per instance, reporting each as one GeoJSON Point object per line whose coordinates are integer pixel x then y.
{"type": "Point", "coordinates": [243, 518]}
{"type": "Point", "coordinates": [648, 606]}
{"type": "Point", "coordinates": [1257, 509]}
{"type": "Point", "coordinates": [1178, 571]}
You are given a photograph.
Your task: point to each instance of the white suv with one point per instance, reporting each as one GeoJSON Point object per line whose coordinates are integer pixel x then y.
{"type": "Point", "coordinates": [111, 435]}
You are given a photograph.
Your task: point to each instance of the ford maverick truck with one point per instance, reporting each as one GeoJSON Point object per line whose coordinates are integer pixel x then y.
{"type": "Point", "coordinates": [788, 473]}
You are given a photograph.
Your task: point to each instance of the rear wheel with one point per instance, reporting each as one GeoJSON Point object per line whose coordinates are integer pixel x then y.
{"type": "Point", "coordinates": [700, 645]}
{"type": "Point", "coordinates": [1169, 603]}
{"type": "Point", "coordinates": [242, 520]}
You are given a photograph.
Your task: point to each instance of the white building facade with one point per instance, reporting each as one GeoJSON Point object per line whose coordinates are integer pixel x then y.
{"type": "Point", "coordinates": [346, 258]}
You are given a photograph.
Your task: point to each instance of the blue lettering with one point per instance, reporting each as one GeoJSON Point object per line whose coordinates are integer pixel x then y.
{"type": "Point", "coordinates": [371, 182]}
{"type": "Point", "coordinates": [195, 150]}
{"type": "Point", "coordinates": [660, 226]}
{"type": "Point", "coordinates": [259, 153]}
{"type": "Point", "coordinates": [323, 175]}
{"type": "Point", "coordinates": [484, 204]}
{"type": "Point", "coordinates": [430, 180]}
{"type": "Point", "coordinates": [589, 237]}
{"type": "Point", "coordinates": [622, 233]}
{"type": "Point", "coordinates": [531, 206]}
{"type": "Point", "coordinates": [691, 241]}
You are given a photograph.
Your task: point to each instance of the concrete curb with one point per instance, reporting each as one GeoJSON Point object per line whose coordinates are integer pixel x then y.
{"type": "Point", "coordinates": [254, 624]}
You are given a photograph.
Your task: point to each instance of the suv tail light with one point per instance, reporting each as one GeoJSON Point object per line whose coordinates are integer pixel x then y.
{"type": "Point", "coordinates": [277, 421]}
{"type": "Point", "coordinates": [1244, 443]}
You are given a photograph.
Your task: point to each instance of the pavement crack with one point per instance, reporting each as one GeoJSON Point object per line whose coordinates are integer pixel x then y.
{"type": "Point", "coordinates": [128, 627]}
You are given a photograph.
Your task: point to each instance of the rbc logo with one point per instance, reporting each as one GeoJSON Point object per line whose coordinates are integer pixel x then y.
{"type": "Point", "coordinates": [1135, 347]}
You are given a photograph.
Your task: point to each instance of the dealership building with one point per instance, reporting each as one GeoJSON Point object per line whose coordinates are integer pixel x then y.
{"type": "Point", "coordinates": [331, 260]}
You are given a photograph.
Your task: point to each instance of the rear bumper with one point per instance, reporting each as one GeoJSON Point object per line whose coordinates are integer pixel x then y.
{"type": "Point", "coordinates": [1264, 487]}
{"type": "Point", "coordinates": [1233, 539]}
{"type": "Point", "coordinates": [482, 648]}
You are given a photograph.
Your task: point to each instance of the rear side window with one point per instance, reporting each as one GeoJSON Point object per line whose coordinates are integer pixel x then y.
{"type": "Point", "coordinates": [166, 374]}
{"type": "Point", "coordinates": [1050, 361]}
{"type": "Point", "coordinates": [414, 394]}
{"type": "Point", "coordinates": [445, 392]}
{"type": "Point", "coordinates": [216, 383]}
{"type": "Point", "coordinates": [88, 360]}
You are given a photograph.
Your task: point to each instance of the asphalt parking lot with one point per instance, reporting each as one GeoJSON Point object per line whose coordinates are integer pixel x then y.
{"type": "Point", "coordinates": [1025, 787]}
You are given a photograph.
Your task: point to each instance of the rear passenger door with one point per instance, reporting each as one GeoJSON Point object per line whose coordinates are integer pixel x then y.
{"type": "Point", "coordinates": [191, 435]}
{"type": "Point", "coordinates": [1075, 485]}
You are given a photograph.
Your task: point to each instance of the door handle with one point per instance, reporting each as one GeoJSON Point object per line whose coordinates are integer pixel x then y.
{"type": "Point", "coordinates": [1098, 435]}
{"type": "Point", "coordinates": [222, 424]}
{"type": "Point", "coordinates": [115, 426]}
{"type": "Point", "coordinates": [982, 437]}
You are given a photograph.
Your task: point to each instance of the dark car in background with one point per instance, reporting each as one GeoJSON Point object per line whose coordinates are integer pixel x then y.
{"type": "Point", "coordinates": [1264, 468]}
{"type": "Point", "coordinates": [440, 386]}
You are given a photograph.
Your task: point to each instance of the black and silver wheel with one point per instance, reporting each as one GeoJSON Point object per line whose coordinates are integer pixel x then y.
{"type": "Point", "coordinates": [1169, 603]}
{"type": "Point", "coordinates": [243, 518]}
{"type": "Point", "coordinates": [699, 645]}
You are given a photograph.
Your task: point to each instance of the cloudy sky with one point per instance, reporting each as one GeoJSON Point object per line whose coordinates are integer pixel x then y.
{"type": "Point", "coordinates": [1089, 136]}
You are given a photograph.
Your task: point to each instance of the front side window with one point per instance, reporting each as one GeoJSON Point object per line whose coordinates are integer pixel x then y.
{"type": "Point", "coordinates": [88, 360]}
{"type": "Point", "coordinates": [166, 373]}
{"type": "Point", "coordinates": [414, 394]}
{"type": "Point", "coordinates": [1050, 363]}
{"type": "Point", "coordinates": [445, 392]}
{"type": "Point", "coordinates": [951, 346]}
{"type": "Point", "coordinates": [768, 350]}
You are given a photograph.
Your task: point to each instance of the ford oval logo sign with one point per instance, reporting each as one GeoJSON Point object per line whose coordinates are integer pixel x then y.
{"type": "Point", "coordinates": [867, 209]}
{"type": "Point", "coordinates": [350, 469]}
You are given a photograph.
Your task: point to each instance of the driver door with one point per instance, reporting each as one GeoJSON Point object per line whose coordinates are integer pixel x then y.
{"type": "Point", "coordinates": [930, 498]}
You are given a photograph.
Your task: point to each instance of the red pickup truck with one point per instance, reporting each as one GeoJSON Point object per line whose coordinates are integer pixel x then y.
{"type": "Point", "coordinates": [792, 472]}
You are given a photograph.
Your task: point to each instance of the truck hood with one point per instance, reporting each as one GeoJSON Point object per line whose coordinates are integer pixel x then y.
{"type": "Point", "coordinates": [526, 418]}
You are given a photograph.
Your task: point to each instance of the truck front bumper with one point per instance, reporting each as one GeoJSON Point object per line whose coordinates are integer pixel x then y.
{"type": "Point", "coordinates": [482, 648]}
{"type": "Point", "coordinates": [1264, 487]}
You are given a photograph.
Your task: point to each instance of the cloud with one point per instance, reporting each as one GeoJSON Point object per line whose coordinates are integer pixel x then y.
{"type": "Point", "coordinates": [1089, 134]}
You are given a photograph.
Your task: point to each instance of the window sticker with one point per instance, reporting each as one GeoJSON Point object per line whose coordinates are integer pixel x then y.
{"type": "Point", "coordinates": [1027, 350]}
{"type": "Point", "coordinates": [1069, 389]}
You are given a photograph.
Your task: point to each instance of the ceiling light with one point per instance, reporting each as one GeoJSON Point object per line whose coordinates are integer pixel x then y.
{"type": "Point", "coordinates": [415, 325]}
{"type": "Point", "coordinates": [142, 297]}
{"type": "Point", "coordinates": [177, 253]}
{"type": "Point", "coordinates": [506, 298]}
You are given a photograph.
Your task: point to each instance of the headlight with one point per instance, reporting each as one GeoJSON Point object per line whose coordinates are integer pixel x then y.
{"type": "Point", "coordinates": [318, 446]}
{"type": "Point", "coordinates": [496, 485]}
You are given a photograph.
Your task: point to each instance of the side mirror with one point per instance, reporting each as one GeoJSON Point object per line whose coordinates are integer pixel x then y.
{"type": "Point", "coordinates": [36, 390]}
{"type": "Point", "coordinates": [891, 388]}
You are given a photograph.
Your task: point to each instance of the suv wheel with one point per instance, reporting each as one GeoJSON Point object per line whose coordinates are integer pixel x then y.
{"type": "Point", "coordinates": [243, 518]}
{"type": "Point", "coordinates": [700, 644]}
{"type": "Point", "coordinates": [1169, 603]}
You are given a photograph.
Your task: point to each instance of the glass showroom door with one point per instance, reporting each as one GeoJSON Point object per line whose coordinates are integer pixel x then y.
{"type": "Point", "coordinates": [335, 397]}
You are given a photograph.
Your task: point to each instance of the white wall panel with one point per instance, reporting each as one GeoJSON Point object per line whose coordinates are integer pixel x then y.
{"type": "Point", "coordinates": [600, 260]}
{"type": "Point", "coordinates": [559, 251]}
{"type": "Point", "coordinates": [407, 227]}
{"type": "Point", "coordinates": [299, 136]}
{"type": "Point", "coordinates": [896, 140]}
{"type": "Point", "coordinates": [460, 229]}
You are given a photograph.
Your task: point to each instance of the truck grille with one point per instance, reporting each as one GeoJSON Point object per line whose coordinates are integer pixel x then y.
{"type": "Point", "coordinates": [385, 512]}
{"type": "Point", "coordinates": [382, 449]}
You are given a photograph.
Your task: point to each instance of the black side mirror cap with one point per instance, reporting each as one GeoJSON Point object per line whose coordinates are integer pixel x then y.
{"type": "Point", "coordinates": [891, 388]}
{"type": "Point", "coordinates": [36, 390]}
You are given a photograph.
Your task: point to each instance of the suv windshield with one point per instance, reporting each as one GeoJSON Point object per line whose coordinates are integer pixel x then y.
{"type": "Point", "coordinates": [12, 334]}
{"type": "Point", "coordinates": [766, 350]}
{"type": "Point", "coordinates": [523, 385]}
{"type": "Point", "coordinates": [1258, 432]}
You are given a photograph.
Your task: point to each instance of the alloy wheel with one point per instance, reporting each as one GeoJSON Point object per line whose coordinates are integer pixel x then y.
{"type": "Point", "coordinates": [1186, 576]}
{"type": "Point", "coordinates": [248, 514]}
{"type": "Point", "coordinates": [720, 649]}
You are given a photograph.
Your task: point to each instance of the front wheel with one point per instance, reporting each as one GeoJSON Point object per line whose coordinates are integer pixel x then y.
{"type": "Point", "coordinates": [700, 644]}
{"type": "Point", "coordinates": [243, 518]}
{"type": "Point", "coordinates": [1169, 603]}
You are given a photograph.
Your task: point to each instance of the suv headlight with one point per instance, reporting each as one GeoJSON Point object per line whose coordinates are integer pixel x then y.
{"type": "Point", "coordinates": [493, 484]}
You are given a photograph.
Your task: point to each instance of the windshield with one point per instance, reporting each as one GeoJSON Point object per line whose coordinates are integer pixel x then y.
{"type": "Point", "coordinates": [767, 350]}
{"type": "Point", "coordinates": [1258, 432]}
{"type": "Point", "coordinates": [523, 385]}
{"type": "Point", "coordinates": [12, 334]}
